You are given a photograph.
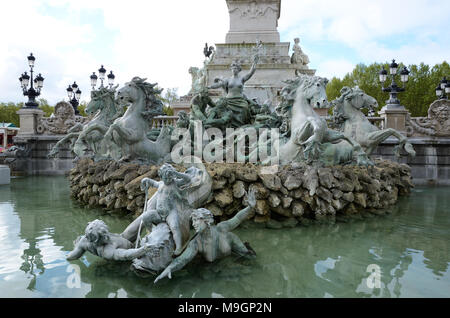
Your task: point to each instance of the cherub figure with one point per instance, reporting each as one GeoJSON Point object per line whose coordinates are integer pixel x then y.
{"type": "Point", "coordinates": [164, 207]}
{"type": "Point", "coordinates": [100, 242]}
{"type": "Point", "coordinates": [213, 241]}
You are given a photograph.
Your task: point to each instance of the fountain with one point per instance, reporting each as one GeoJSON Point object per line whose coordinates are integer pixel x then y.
{"type": "Point", "coordinates": [310, 173]}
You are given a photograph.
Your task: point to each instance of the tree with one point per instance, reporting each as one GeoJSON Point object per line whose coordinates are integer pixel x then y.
{"type": "Point", "coordinates": [420, 90]}
{"type": "Point", "coordinates": [8, 113]}
{"type": "Point", "coordinates": [45, 107]}
{"type": "Point", "coordinates": [82, 108]}
{"type": "Point", "coordinates": [168, 98]}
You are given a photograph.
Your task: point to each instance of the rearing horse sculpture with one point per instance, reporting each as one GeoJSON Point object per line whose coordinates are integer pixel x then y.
{"type": "Point", "coordinates": [309, 132]}
{"type": "Point", "coordinates": [88, 140]}
{"type": "Point", "coordinates": [129, 133]}
{"type": "Point", "coordinates": [353, 123]}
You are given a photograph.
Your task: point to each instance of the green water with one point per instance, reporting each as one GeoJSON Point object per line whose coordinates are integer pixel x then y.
{"type": "Point", "coordinates": [410, 246]}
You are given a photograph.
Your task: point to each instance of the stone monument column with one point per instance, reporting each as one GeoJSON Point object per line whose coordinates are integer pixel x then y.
{"type": "Point", "coordinates": [252, 20]}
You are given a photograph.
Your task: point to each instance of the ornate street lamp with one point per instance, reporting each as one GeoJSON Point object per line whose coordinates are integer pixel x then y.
{"type": "Point", "coordinates": [102, 76]}
{"type": "Point", "coordinates": [443, 89]}
{"type": "Point", "coordinates": [393, 89]}
{"type": "Point", "coordinates": [74, 94]}
{"type": "Point", "coordinates": [35, 84]}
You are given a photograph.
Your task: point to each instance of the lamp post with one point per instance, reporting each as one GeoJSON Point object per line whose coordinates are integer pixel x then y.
{"type": "Point", "coordinates": [393, 89]}
{"type": "Point", "coordinates": [74, 94]}
{"type": "Point", "coordinates": [34, 90]}
{"type": "Point", "coordinates": [102, 76]}
{"type": "Point", "coordinates": [443, 89]}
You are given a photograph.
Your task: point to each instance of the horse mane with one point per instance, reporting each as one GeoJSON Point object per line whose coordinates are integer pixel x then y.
{"type": "Point", "coordinates": [102, 94]}
{"type": "Point", "coordinates": [304, 81]}
{"type": "Point", "coordinates": [346, 92]}
{"type": "Point", "coordinates": [338, 104]}
{"type": "Point", "coordinates": [153, 103]}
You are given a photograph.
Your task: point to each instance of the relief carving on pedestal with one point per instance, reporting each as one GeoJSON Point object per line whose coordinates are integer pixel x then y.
{"type": "Point", "coordinates": [437, 124]}
{"type": "Point", "coordinates": [62, 120]}
{"type": "Point", "coordinates": [254, 10]}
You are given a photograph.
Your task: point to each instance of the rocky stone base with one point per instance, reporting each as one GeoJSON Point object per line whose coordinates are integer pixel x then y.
{"type": "Point", "coordinates": [286, 195]}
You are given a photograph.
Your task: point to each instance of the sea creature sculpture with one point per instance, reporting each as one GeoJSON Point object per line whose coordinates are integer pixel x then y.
{"type": "Point", "coordinates": [88, 140]}
{"type": "Point", "coordinates": [129, 132]}
{"type": "Point", "coordinates": [100, 242]}
{"type": "Point", "coordinates": [347, 113]}
{"type": "Point", "coordinates": [310, 138]}
{"type": "Point", "coordinates": [213, 241]}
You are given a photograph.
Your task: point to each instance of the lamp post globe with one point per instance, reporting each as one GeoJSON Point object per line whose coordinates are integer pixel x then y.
{"type": "Point", "coordinates": [39, 81]}
{"type": "Point", "coordinates": [94, 79]}
{"type": "Point", "coordinates": [69, 92]}
{"type": "Point", "coordinates": [393, 68]}
{"type": "Point", "coordinates": [383, 75]}
{"type": "Point", "coordinates": [439, 92]}
{"type": "Point", "coordinates": [31, 60]}
{"type": "Point", "coordinates": [101, 74]}
{"type": "Point", "coordinates": [78, 95]}
{"type": "Point", "coordinates": [443, 83]}
{"type": "Point", "coordinates": [404, 75]}
{"type": "Point", "coordinates": [111, 78]}
{"type": "Point", "coordinates": [25, 80]}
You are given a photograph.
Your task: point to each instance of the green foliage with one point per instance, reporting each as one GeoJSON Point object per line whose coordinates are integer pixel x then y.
{"type": "Point", "coordinates": [420, 90]}
{"type": "Point", "coordinates": [82, 108]}
{"type": "Point", "coordinates": [168, 111]}
{"type": "Point", "coordinates": [170, 95]}
{"type": "Point", "coordinates": [8, 110]}
{"type": "Point", "coordinates": [44, 106]}
{"type": "Point", "coordinates": [8, 113]}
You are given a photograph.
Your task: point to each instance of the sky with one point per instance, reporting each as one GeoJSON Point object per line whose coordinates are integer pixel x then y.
{"type": "Point", "coordinates": [160, 40]}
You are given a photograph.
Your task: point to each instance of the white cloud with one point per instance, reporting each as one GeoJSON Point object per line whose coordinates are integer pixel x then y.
{"type": "Point", "coordinates": [336, 68]}
{"type": "Point", "coordinates": [370, 28]}
{"type": "Point", "coordinates": [160, 40]}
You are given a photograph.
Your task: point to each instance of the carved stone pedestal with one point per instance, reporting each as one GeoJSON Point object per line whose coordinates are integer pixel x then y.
{"type": "Point", "coordinates": [394, 117]}
{"type": "Point", "coordinates": [29, 118]}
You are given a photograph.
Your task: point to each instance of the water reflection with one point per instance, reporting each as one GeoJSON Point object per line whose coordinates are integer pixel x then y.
{"type": "Point", "coordinates": [32, 263]}
{"type": "Point", "coordinates": [409, 244]}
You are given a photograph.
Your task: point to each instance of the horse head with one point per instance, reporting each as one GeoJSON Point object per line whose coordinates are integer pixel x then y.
{"type": "Point", "coordinates": [356, 98]}
{"type": "Point", "coordinates": [100, 99]}
{"type": "Point", "coordinates": [132, 91]}
{"type": "Point", "coordinates": [311, 88]}
{"type": "Point", "coordinates": [140, 93]}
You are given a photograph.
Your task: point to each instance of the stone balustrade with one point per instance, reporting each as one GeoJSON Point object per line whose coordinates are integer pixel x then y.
{"type": "Point", "coordinates": [161, 121]}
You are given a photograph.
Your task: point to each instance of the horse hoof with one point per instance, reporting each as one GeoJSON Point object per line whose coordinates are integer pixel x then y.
{"type": "Point", "coordinates": [410, 149]}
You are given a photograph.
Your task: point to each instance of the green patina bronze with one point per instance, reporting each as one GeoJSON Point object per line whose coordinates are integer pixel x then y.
{"type": "Point", "coordinates": [87, 140]}
{"type": "Point", "coordinates": [127, 137]}
{"type": "Point", "coordinates": [353, 123]}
